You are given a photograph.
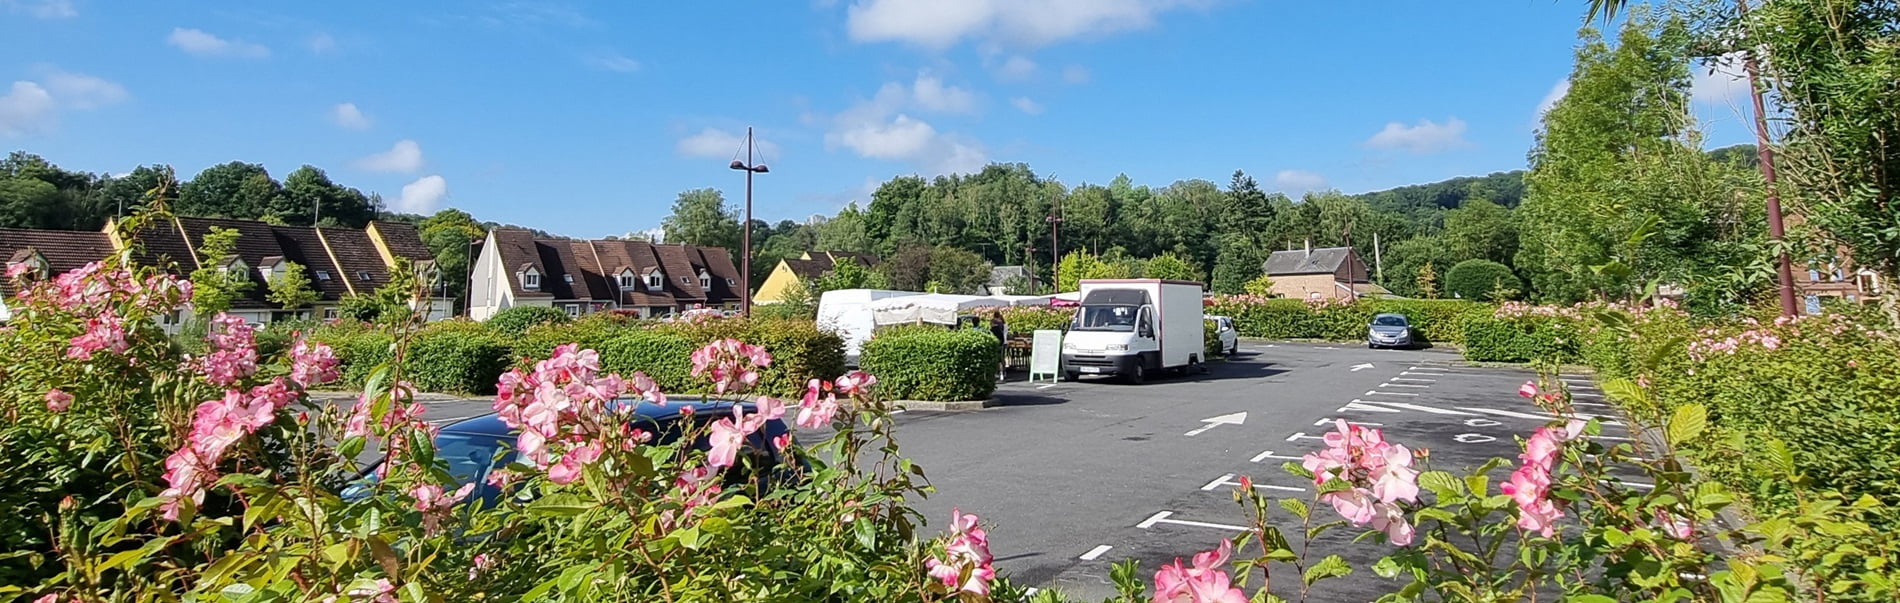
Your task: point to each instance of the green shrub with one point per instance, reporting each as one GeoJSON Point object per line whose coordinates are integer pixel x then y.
{"type": "Point", "coordinates": [1029, 319]}
{"type": "Point", "coordinates": [1433, 320]}
{"type": "Point", "coordinates": [665, 357]}
{"type": "Point", "coordinates": [800, 352]}
{"type": "Point", "coordinates": [1479, 279]}
{"type": "Point", "coordinates": [936, 364]}
{"type": "Point", "coordinates": [454, 358]}
{"type": "Point", "coordinates": [539, 341]}
{"type": "Point", "coordinates": [1489, 338]}
{"type": "Point", "coordinates": [1211, 348]}
{"type": "Point", "coordinates": [519, 319]}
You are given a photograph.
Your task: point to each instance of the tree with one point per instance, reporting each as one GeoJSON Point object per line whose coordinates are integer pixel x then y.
{"type": "Point", "coordinates": [846, 232]}
{"type": "Point", "coordinates": [1479, 279]}
{"type": "Point", "coordinates": [448, 234]}
{"type": "Point", "coordinates": [958, 271]}
{"type": "Point", "coordinates": [1427, 281]}
{"type": "Point", "coordinates": [214, 288]}
{"type": "Point", "coordinates": [228, 190]}
{"type": "Point", "coordinates": [1481, 229]}
{"type": "Point", "coordinates": [1075, 266]}
{"type": "Point", "coordinates": [847, 274]}
{"type": "Point", "coordinates": [909, 268]}
{"type": "Point", "coordinates": [1261, 285]}
{"type": "Point", "coordinates": [1240, 261]}
{"type": "Point", "coordinates": [290, 289]}
{"type": "Point", "coordinates": [1169, 266]}
{"type": "Point", "coordinates": [308, 190]}
{"type": "Point", "coordinates": [701, 217]}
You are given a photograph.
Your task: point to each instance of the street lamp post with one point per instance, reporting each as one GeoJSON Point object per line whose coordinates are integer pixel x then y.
{"type": "Point", "coordinates": [745, 244]}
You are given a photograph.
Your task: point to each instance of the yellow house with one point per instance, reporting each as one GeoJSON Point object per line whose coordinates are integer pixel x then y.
{"type": "Point", "coordinates": [810, 265]}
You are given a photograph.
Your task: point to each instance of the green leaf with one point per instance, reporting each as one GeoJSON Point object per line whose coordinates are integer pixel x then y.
{"type": "Point", "coordinates": [561, 505]}
{"type": "Point", "coordinates": [1387, 567]}
{"type": "Point", "coordinates": [1590, 599]}
{"type": "Point", "coordinates": [1687, 424]}
{"type": "Point", "coordinates": [1295, 506]}
{"type": "Point", "coordinates": [1332, 566]}
{"type": "Point", "coordinates": [1444, 484]}
{"type": "Point", "coordinates": [1626, 390]}
{"type": "Point", "coordinates": [688, 538]}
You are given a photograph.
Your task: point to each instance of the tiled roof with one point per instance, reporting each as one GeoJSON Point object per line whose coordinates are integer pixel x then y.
{"type": "Point", "coordinates": [673, 259]}
{"type": "Point", "coordinates": [256, 241]}
{"type": "Point", "coordinates": [356, 256]}
{"type": "Point", "coordinates": [160, 244]}
{"type": "Point", "coordinates": [725, 277]}
{"type": "Point", "coordinates": [864, 259]}
{"type": "Point", "coordinates": [517, 249]}
{"type": "Point", "coordinates": [809, 269]}
{"type": "Point", "coordinates": [62, 250]}
{"type": "Point", "coordinates": [301, 245]}
{"type": "Point", "coordinates": [403, 239]}
{"type": "Point", "coordinates": [1299, 261]}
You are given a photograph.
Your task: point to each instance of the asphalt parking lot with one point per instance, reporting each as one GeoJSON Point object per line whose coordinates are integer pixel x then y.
{"type": "Point", "coordinates": [1072, 477]}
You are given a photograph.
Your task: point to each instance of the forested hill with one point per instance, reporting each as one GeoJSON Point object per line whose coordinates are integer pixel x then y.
{"type": "Point", "coordinates": [1419, 201]}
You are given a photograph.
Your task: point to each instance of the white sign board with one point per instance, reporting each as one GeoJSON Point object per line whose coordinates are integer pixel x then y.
{"type": "Point", "coordinates": [1045, 357]}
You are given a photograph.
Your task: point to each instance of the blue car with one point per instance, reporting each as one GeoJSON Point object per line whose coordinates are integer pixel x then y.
{"type": "Point", "coordinates": [471, 446]}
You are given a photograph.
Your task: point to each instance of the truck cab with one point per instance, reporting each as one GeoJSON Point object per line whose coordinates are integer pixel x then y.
{"type": "Point", "coordinates": [1133, 328]}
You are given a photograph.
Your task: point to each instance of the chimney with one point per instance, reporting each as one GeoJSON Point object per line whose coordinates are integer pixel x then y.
{"type": "Point", "coordinates": [1309, 248]}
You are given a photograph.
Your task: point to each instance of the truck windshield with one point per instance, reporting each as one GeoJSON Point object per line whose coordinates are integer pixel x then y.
{"type": "Point", "coordinates": [1105, 318]}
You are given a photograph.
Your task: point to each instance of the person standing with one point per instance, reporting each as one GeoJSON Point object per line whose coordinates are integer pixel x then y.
{"type": "Point", "coordinates": [1001, 330]}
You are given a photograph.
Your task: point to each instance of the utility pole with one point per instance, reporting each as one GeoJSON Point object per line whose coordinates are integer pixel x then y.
{"type": "Point", "coordinates": [1784, 271]}
{"type": "Point", "coordinates": [745, 244]}
{"type": "Point", "coordinates": [1378, 259]}
{"type": "Point", "coordinates": [1055, 241]}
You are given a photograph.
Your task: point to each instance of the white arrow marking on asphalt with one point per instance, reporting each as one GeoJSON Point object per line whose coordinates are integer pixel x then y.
{"type": "Point", "coordinates": [1423, 408]}
{"type": "Point", "coordinates": [1380, 393]}
{"type": "Point", "coordinates": [1270, 455]}
{"type": "Point", "coordinates": [1474, 438]}
{"type": "Point", "coordinates": [1232, 419]}
{"type": "Point", "coordinates": [1228, 480]}
{"type": "Point", "coordinates": [1162, 517]}
{"type": "Point", "coordinates": [1301, 435]}
{"type": "Point", "coordinates": [1095, 552]}
{"type": "Point", "coordinates": [1360, 367]}
{"type": "Point", "coordinates": [1359, 405]}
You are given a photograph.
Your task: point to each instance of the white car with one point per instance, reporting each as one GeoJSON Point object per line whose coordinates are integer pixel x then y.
{"type": "Point", "coordinates": [1229, 337]}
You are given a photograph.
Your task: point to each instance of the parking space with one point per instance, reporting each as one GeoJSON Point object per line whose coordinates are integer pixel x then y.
{"type": "Point", "coordinates": [1076, 476]}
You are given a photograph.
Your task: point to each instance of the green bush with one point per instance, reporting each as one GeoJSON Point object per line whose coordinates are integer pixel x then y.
{"type": "Point", "coordinates": [936, 364]}
{"type": "Point", "coordinates": [665, 357]}
{"type": "Point", "coordinates": [540, 340]}
{"type": "Point", "coordinates": [1489, 338]}
{"type": "Point", "coordinates": [1433, 320]}
{"type": "Point", "coordinates": [800, 352]}
{"type": "Point", "coordinates": [1478, 279]}
{"type": "Point", "coordinates": [1211, 349]}
{"type": "Point", "coordinates": [519, 319]}
{"type": "Point", "coordinates": [1023, 320]}
{"type": "Point", "coordinates": [450, 357]}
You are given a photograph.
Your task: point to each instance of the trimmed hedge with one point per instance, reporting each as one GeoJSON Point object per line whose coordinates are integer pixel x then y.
{"type": "Point", "coordinates": [665, 357]}
{"type": "Point", "coordinates": [937, 365]}
{"type": "Point", "coordinates": [1489, 338]}
{"type": "Point", "coordinates": [451, 357]}
{"type": "Point", "coordinates": [1023, 320]}
{"type": "Point", "coordinates": [1432, 320]}
{"type": "Point", "coordinates": [519, 319]}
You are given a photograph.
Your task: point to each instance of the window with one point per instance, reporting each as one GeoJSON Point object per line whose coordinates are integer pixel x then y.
{"type": "Point", "coordinates": [705, 283]}
{"type": "Point", "coordinates": [323, 275]}
{"type": "Point", "coordinates": [573, 310]}
{"type": "Point", "coordinates": [362, 275]}
{"type": "Point", "coordinates": [730, 283]}
{"type": "Point", "coordinates": [626, 281]}
{"type": "Point", "coordinates": [1838, 276]}
{"type": "Point", "coordinates": [654, 281]}
{"type": "Point", "coordinates": [531, 280]}
{"type": "Point", "coordinates": [1814, 275]}
{"type": "Point", "coordinates": [685, 280]}
{"type": "Point", "coordinates": [329, 313]}
{"type": "Point", "coordinates": [568, 277]}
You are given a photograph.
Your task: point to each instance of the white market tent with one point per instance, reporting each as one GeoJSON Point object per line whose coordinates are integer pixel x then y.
{"type": "Point", "coordinates": [940, 308]}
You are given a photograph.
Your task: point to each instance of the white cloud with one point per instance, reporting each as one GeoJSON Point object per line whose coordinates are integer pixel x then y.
{"type": "Point", "coordinates": [1075, 74]}
{"type": "Point", "coordinates": [34, 106]}
{"type": "Point", "coordinates": [1017, 68]}
{"type": "Point", "coordinates": [1026, 105]}
{"type": "Point", "coordinates": [404, 158]}
{"type": "Point", "coordinates": [422, 196]}
{"type": "Point", "coordinates": [941, 24]}
{"type": "Point", "coordinates": [614, 62]}
{"type": "Point", "coordinates": [720, 144]}
{"type": "Point", "coordinates": [933, 95]}
{"type": "Point", "coordinates": [878, 129]}
{"type": "Point", "coordinates": [27, 107]}
{"type": "Point", "coordinates": [1298, 181]}
{"type": "Point", "coordinates": [1425, 138]}
{"type": "Point", "coordinates": [1721, 81]}
{"type": "Point", "coordinates": [81, 91]}
{"type": "Point", "coordinates": [348, 116]}
{"type": "Point", "coordinates": [44, 9]}
{"type": "Point", "coordinates": [199, 43]}
{"type": "Point", "coordinates": [1556, 93]}
{"type": "Point", "coordinates": [321, 43]}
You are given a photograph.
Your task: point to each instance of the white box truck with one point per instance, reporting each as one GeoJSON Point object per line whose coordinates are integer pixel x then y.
{"type": "Point", "coordinates": [1135, 328]}
{"type": "Point", "coordinates": [846, 312]}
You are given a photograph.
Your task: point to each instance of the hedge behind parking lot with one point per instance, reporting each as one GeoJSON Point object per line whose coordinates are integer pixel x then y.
{"type": "Point", "coordinates": [1436, 321]}
{"type": "Point", "coordinates": [933, 364]}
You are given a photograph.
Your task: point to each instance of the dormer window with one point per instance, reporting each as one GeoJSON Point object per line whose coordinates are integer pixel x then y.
{"type": "Point", "coordinates": [31, 262]}
{"type": "Point", "coordinates": [362, 275]}
{"type": "Point", "coordinates": [323, 275]}
{"type": "Point", "coordinates": [627, 280]}
{"type": "Point", "coordinates": [655, 281]}
{"type": "Point", "coordinates": [705, 281]}
{"type": "Point", "coordinates": [531, 279]}
{"type": "Point", "coordinates": [686, 280]}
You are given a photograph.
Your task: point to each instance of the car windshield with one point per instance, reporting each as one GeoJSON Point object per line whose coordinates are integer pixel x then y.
{"type": "Point", "coordinates": [1389, 321]}
{"type": "Point", "coordinates": [1105, 318]}
{"type": "Point", "coordinates": [470, 456]}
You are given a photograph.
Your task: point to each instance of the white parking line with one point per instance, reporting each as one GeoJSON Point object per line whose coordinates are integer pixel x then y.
{"type": "Point", "coordinates": [1095, 552]}
{"type": "Point", "coordinates": [1045, 386]}
{"type": "Point", "coordinates": [1422, 408]}
{"type": "Point", "coordinates": [1332, 422]}
{"type": "Point", "coordinates": [1362, 406]}
{"type": "Point", "coordinates": [1401, 385]}
{"type": "Point", "coordinates": [1537, 417]}
{"type": "Point", "coordinates": [1228, 480]}
{"type": "Point", "coordinates": [1428, 374]}
{"type": "Point", "coordinates": [1380, 393]}
{"type": "Point", "coordinates": [1604, 437]}
{"type": "Point", "coordinates": [1162, 517]}
{"type": "Point", "coordinates": [1301, 435]}
{"type": "Point", "coordinates": [1589, 404]}
{"type": "Point", "coordinates": [1414, 379]}
{"type": "Point", "coordinates": [1429, 368]}
{"type": "Point", "coordinates": [1584, 395]}
{"type": "Point", "coordinates": [1270, 455]}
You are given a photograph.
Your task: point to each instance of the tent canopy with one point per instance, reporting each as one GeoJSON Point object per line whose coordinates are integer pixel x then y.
{"type": "Point", "coordinates": [934, 308]}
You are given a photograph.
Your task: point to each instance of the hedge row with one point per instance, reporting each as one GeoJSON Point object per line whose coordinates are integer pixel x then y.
{"type": "Point", "coordinates": [1439, 321]}
{"type": "Point", "coordinates": [467, 357]}
{"type": "Point", "coordinates": [933, 364]}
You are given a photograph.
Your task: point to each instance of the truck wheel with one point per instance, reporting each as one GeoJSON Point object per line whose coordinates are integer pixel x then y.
{"type": "Point", "coordinates": [1139, 374]}
{"type": "Point", "coordinates": [1072, 375]}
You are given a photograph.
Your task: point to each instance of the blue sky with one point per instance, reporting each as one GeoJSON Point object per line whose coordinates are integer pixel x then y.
{"type": "Point", "coordinates": [588, 118]}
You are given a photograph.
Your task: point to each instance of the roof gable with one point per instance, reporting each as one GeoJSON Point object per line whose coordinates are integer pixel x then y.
{"type": "Point", "coordinates": [1325, 260]}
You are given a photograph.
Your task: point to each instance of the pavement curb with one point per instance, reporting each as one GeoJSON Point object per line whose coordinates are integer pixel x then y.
{"type": "Point", "coordinates": [945, 406]}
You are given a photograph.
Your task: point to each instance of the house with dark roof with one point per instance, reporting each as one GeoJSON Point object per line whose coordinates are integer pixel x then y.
{"type": "Point", "coordinates": [514, 268]}
{"type": "Point", "coordinates": [808, 266]}
{"type": "Point", "coordinates": [1002, 277]}
{"type": "Point", "coordinates": [339, 262]}
{"type": "Point", "coordinates": [1324, 273]}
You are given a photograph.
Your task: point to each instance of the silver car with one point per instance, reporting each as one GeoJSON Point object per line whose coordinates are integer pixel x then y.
{"type": "Point", "coordinates": [1389, 331]}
